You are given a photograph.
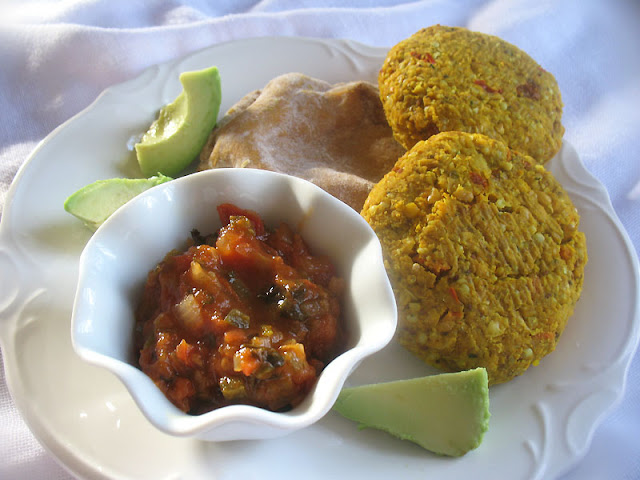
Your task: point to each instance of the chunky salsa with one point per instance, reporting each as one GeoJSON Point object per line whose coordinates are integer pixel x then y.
{"type": "Point", "coordinates": [244, 316]}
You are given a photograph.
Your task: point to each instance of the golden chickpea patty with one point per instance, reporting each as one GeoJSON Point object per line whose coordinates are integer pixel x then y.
{"type": "Point", "coordinates": [483, 251]}
{"type": "Point", "coordinates": [450, 78]}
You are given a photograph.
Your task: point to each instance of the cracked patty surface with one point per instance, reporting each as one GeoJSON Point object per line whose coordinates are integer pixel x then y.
{"type": "Point", "coordinates": [450, 78]}
{"type": "Point", "coordinates": [483, 251]}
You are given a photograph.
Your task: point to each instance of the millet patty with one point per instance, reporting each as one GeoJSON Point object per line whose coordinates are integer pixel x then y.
{"type": "Point", "coordinates": [483, 250]}
{"type": "Point", "coordinates": [450, 78]}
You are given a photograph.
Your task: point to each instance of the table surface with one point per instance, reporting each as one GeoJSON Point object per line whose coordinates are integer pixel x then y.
{"type": "Point", "coordinates": [56, 57]}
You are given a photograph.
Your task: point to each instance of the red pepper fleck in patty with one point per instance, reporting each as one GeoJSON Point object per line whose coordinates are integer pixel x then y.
{"type": "Point", "coordinates": [426, 56]}
{"type": "Point", "coordinates": [478, 179]}
{"type": "Point", "coordinates": [487, 88]}
{"type": "Point", "coordinates": [454, 294]}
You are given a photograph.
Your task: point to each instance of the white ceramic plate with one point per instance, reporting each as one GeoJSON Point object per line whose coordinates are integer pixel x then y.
{"type": "Point", "coordinates": [541, 423]}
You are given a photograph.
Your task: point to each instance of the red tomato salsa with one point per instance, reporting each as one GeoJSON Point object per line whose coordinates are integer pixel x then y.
{"type": "Point", "coordinates": [244, 316]}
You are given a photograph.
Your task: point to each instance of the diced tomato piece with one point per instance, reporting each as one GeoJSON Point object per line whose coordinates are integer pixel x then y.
{"type": "Point", "coordinates": [228, 210]}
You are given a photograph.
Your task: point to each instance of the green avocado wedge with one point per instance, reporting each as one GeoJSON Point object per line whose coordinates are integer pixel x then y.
{"type": "Point", "coordinates": [94, 203]}
{"type": "Point", "coordinates": [176, 137]}
{"type": "Point", "coordinates": [447, 414]}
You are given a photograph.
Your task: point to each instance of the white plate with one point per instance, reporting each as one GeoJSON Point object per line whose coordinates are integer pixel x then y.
{"type": "Point", "coordinates": [541, 423]}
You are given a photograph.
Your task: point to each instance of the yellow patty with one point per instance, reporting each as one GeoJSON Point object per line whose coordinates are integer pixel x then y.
{"type": "Point", "coordinates": [450, 78]}
{"type": "Point", "coordinates": [483, 251]}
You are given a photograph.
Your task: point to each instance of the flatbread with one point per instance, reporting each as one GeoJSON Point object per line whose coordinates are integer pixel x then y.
{"type": "Point", "coordinates": [335, 136]}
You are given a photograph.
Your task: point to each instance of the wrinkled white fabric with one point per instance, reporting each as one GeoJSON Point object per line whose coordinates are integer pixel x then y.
{"type": "Point", "coordinates": [57, 56]}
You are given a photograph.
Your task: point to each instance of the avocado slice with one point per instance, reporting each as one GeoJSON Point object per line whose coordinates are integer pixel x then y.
{"type": "Point", "coordinates": [447, 414]}
{"type": "Point", "coordinates": [176, 137]}
{"type": "Point", "coordinates": [94, 203]}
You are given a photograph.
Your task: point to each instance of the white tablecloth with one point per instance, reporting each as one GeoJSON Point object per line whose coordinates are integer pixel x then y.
{"type": "Point", "coordinates": [57, 56]}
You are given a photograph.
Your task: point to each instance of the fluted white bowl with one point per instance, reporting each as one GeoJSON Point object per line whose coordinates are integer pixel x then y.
{"type": "Point", "coordinates": [116, 260]}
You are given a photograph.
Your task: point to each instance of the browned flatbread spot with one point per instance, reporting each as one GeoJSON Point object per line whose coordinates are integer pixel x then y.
{"type": "Point", "coordinates": [335, 136]}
